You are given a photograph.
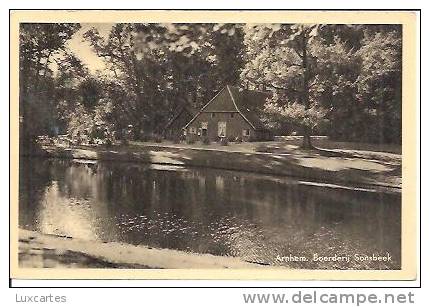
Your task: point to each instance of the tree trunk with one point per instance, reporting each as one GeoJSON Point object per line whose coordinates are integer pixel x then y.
{"type": "Point", "coordinates": [305, 95]}
{"type": "Point", "coordinates": [307, 140]}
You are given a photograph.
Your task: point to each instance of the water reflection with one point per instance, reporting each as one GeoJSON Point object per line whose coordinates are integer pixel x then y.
{"type": "Point", "coordinates": [254, 217]}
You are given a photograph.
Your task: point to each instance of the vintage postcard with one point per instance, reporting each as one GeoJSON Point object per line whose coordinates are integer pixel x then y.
{"type": "Point", "coordinates": [213, 145]}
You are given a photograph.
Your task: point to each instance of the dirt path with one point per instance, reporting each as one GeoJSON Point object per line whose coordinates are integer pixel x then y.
{"type": "Point", "coordinates": [38, 250]}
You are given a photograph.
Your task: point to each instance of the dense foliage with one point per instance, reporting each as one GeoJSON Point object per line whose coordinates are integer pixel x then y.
{"type": "Point", "coordinates": [344, 81]}
{"type": "Point", "coordinates": [339, 80]}
{"type": "Point", "coordinates": [39, 44]}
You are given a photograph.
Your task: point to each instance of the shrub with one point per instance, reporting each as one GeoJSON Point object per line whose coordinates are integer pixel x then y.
{"type": "Point", "coordinates": [270, 137]}
{"type": "Point", "coordinates": [176, 139]}
{"type": "Point", "coordinates": [224, 141]}
{"type": "Point", "coordinates": [145, 137]}
{"type": "Point", "coordinates": [190, 141]}
{"type": "Point", "coordinates": [205, 140]}
{"type": "Point", "coordinates": [157, 138]}
{"type": "Point", "coordinates": [238, 139]}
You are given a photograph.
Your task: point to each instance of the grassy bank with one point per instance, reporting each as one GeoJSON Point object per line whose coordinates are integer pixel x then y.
{"type": "Point", "coordinates": [358, 168]}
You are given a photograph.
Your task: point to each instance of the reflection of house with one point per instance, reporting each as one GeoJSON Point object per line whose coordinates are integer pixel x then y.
{"type": "Point", "coordinates": [232, 113]}
{"type": "Point", "coordinates": [181, 117]}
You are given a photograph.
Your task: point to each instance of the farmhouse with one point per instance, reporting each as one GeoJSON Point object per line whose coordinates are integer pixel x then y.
{"type": "Point", "coordinates": [233, 113]}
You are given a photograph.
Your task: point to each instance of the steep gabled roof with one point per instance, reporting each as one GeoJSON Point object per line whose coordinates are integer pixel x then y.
{"type": "Point", "coordinates": [178, 111]}
{"type": "Point", "coordinates": [248, 103]}
{"type": "Point", "coordinates": [222, 102]}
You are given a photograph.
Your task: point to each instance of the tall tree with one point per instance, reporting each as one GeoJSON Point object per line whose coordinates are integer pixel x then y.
{"type": "Point", "coordinates": [164, 66]}
{"type": "Point", "coordinates": [379, 83]}
{"type": "Point", "coordinates": [227, 50]}
{"type": "Point", "coordinates": [344, 80]}
{"type": "Point", "coordinates": [284, 59]}
{"type": "Point", "coordinates": [39, 45]}
{"type": "Point", "coordinates": [138, 55]}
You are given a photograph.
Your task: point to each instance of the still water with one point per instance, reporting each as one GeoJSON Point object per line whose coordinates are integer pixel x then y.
{"type": "Point", "coordinates": [257, 218]}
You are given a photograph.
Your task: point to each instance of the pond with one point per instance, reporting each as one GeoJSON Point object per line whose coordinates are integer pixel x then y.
{"type": "Point", "coordinates": [261, 219]}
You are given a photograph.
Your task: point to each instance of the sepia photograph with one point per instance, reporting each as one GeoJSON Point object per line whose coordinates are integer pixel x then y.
{"type": "Point", "coordinates": [262, 146]}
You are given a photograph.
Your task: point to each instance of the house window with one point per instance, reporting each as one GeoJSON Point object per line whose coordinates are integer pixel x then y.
{"type": "Point", "coordinates": [204, 125]}
{"type": "Point", "coordinates": [245, 132]}
{"type": "Point", "coordinates": [193, 130]}
{"type": "Point", "coordinates": [232, 115]}
{"type": "Point", "coordinates": [213, 115]}
{"type": "Point", "coordinates": [222, 129]}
